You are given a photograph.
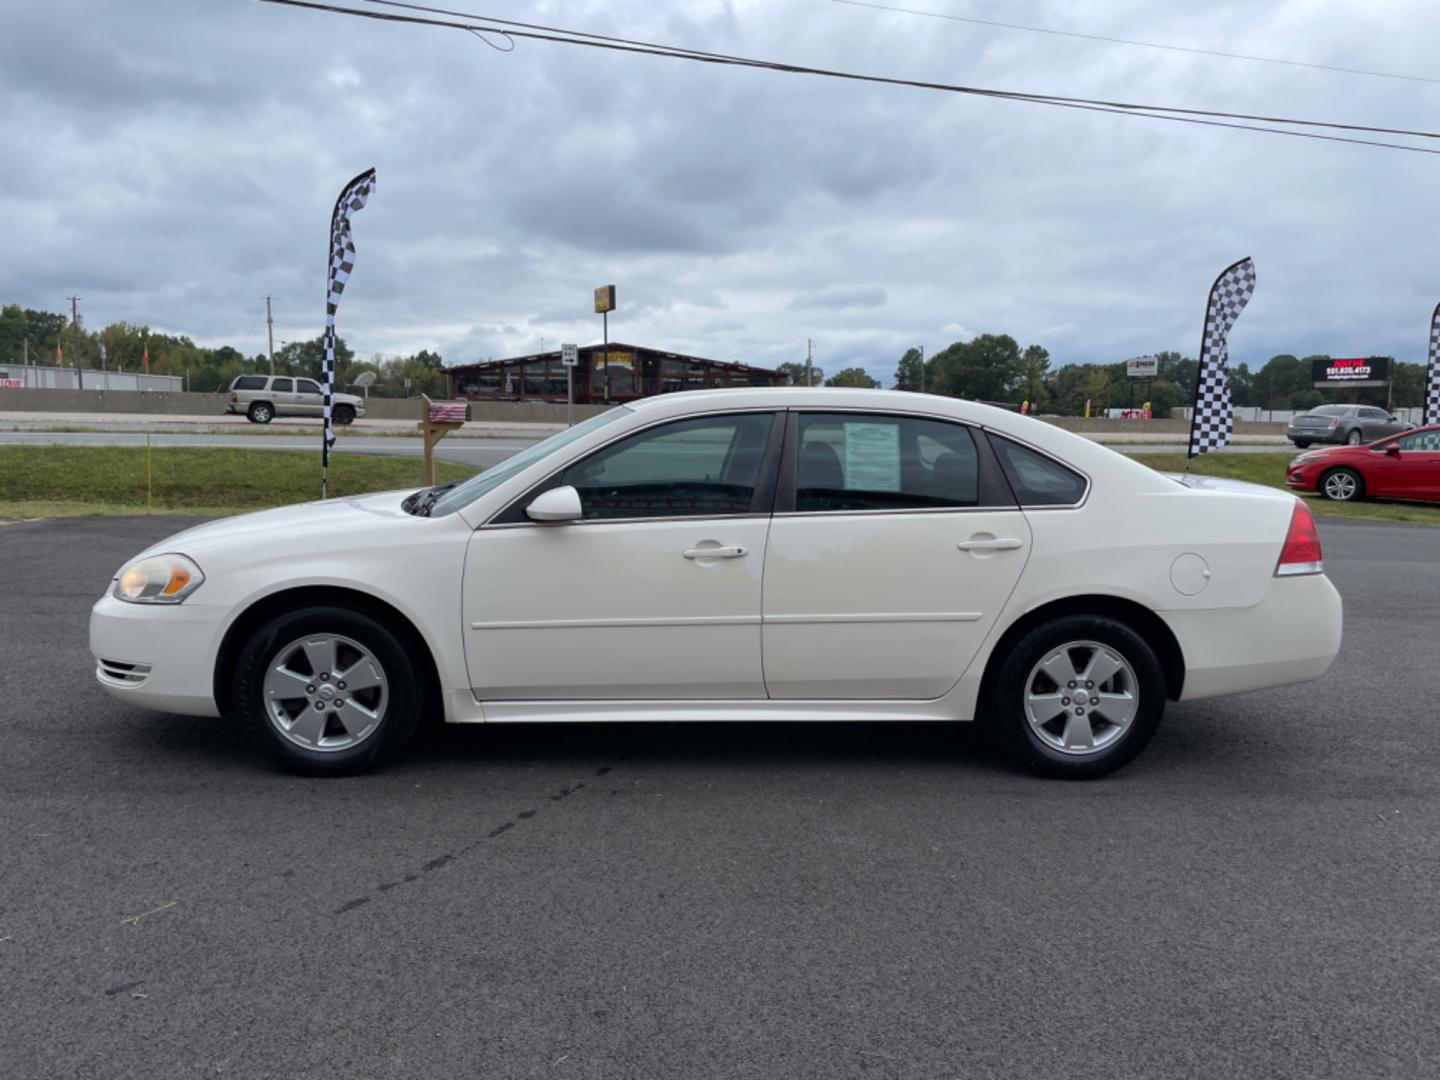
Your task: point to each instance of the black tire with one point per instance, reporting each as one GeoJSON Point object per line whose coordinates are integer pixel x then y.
{"type": "Point", "coordinates": [260, 412]}
{"type": "Point", "coordinates": [1303, 444]}
{"type": "Point", "coordinates": [1009, 721]}
{"type": "Point", "coordinates": [343, 414]}
{"type": "Point", "coordinates": [1340, 490]}
{"type": "Point", "coordinates": [1355, 438]}
{"type": "Point", "coordinates": [402, 702]}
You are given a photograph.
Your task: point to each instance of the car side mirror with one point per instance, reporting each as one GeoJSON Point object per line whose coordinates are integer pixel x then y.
{"type": "Point", "coordinates": [1393, 450]}
{"type": "Point", "coordinates": [557, 504]}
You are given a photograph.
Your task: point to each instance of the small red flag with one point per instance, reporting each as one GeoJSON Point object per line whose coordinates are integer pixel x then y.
{"type": "Point", "coordinates": [59, 359]}
{"type": "Point", "coordinates": [146, 358]}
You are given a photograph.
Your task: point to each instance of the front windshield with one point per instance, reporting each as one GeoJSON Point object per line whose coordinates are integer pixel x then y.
{"type": "Point", "coordinates": [472, 489]}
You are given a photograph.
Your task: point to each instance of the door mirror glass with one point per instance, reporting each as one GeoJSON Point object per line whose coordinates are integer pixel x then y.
{"type": "Point", "coordinates": [557, 504]}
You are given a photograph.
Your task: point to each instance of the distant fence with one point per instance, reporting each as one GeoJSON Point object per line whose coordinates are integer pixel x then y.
{"type": "Point", "coordinates": [41, 377]}
{"type": "Point", "coordinates": [1411, 415]}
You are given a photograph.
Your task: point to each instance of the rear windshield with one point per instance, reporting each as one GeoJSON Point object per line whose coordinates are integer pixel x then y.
{"type": "Point", "coordinates": [249, 382]}
{"type": "Point", "coordinates": [1328, 410]}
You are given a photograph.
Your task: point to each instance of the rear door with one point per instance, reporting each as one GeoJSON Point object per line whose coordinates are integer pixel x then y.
{"type": "Point", "coordinates": [282, 395]}
{"type": "Point", "coordinates": [895, 545]}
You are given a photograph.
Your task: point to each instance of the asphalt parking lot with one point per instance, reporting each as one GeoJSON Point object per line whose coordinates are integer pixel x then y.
{"type": "Point", "coordinates": [1258, 895]}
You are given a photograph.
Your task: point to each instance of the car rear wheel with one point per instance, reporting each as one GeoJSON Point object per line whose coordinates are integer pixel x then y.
{"type": "Point", "coordinates": [261, 412]}
{"type": "Point", "coordinates": [1342, 485]}
{"type": "Point", "coordinates": [343, 414]}
{"type": "Point", "coordinates": [1355, 438]}
{"type": "Point", "coordinates": [1078, 697]}
{"type": "Point", "coordinates": [327, 691]}
{"type": "Point", "coordinates": [1303, 444]}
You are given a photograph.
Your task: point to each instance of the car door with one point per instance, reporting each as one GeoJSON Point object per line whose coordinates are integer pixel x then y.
{"type": "Point", "coordinates": [309, 399]}
{"type": "Point", "coordinates": [895, 544]}
{"type": "Point", "coordinates": [282, 395]}
{"type": "Point", "coordinates": [1413, 471]}
{"type": "Point", "coordinates": [653, 593]}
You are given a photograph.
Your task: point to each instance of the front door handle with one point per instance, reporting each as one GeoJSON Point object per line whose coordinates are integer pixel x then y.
{"type": "Point", "coordinates": [1001, 543]}
{"type": "Point", "coordinates": [734, 551]}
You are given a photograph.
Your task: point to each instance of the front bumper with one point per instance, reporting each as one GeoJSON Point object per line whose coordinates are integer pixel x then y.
{"type": "Point", "coordinates": [157, 656]}
{"type": "Point", "coordinates": [1291, 636]}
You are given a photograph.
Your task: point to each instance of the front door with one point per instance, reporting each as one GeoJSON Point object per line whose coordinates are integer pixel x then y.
{"type": "Point", "coordinates": [894, 547]}
{"type": "Point", "coordinates": [654, 594]}
{"type": "Point", "coordinates": [309, 398]}
{"type": "Point", "coordinates": [1413, 473]}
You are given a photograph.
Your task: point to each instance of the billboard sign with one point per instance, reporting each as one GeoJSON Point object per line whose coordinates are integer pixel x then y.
{"type": "Point", "coordinates": [604, 299]}
{"type": "Point", "coordinates": [1142, 367]}
{"type": "Point", "coordinates": [1360, 371]}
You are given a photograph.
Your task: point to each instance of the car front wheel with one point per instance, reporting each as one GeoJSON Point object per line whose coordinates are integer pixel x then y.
{"type": "Point", "coordinates": [327, 691]}
{"type": "Point", "coordinates": [1342, 485]}
{"type": "Point", "coordinates": [1078, 697]}
{"type": "Point", "coordinates": [261, 412]}
{"type": "Point", "coordinates": [343, 414]}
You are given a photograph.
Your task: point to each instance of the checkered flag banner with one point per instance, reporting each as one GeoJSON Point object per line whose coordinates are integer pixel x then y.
{"type": "Point", "coordinates": [342, 261]}
{"type": "Point", "coordinates": [1432, 372]}
{"type": "Point", "coordinates": [1212, 418]}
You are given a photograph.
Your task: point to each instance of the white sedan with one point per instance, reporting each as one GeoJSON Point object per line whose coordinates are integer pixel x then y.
{"type": "Point", "coordinates": [761, 554]}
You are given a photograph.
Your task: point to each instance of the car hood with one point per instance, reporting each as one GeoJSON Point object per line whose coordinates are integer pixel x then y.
{"type": "Point", "coordinates": [290, 526]}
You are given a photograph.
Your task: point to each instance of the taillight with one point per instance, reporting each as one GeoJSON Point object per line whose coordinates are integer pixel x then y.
{"type": "Point", "coordinates": [234, 397]}
{"type": "Point", "coordinates": [1335, 421]}
{"type": "Point", "coordinates": [1301, 553]}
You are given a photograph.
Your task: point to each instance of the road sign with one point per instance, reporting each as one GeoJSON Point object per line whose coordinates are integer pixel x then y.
{"type": "Point", "coordinates": [569, 355]}
{"type": "Point", "coordinates": [1142, 367]}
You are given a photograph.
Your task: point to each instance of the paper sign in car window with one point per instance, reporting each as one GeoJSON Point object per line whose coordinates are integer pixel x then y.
{"type": "Point", "coordinates": [872, 457]}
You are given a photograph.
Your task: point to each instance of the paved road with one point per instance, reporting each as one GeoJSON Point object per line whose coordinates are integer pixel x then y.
{"type": "Point", "coordinates": [1256, 896]}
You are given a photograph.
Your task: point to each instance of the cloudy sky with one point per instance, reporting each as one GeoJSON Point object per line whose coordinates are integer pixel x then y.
{"type": "Point", "coordinates": [173, 161]}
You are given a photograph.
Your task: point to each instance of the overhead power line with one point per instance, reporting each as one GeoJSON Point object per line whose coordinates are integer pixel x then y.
{"type": "Point", "coordinates": [509, 28]}
{"type": "Point", "coordinates": [948, 17]}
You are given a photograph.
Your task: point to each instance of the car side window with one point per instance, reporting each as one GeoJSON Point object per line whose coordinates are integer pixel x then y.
{"type": "Point", "coordinates": [249, 382]}
{"type": "Point", "coordinates": [863, 461]}
{"type": "Point", "coordinates": [306, 386]}
{"type": "Point", "coordinates": [282, 386]}
{"type": "Point", "coordinates": [1420, 440]}
{"type": "Point", "coordinates": [1038, 480]}
{"type": "Point", "coordinates": [1374, 414]}
{"type": "Point", "coordinates": [702, 467]}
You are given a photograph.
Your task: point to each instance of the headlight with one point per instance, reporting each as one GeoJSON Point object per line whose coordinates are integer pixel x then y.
{"type": "Point", "coordinates": [160, 579]}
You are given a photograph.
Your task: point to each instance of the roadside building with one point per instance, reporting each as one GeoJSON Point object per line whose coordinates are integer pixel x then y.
{"type": "Point", "coordinates": [631, 371]}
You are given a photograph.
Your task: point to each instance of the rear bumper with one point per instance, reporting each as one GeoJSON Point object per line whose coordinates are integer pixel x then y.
{"type": "Point", "coordinates": [1316, 435]}
{"type": "Point", "coordinates": [158, 657]}
{"type": "Point", "coordinates": [1291, 636]}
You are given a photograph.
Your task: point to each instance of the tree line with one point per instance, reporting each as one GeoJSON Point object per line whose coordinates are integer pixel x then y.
{"type": "Point", "coordinates": [205, 370]}
{"type": "Point", "coordinates": [994, 368]}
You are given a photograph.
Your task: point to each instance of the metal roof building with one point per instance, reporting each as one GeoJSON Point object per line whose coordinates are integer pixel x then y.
{"type": "Point", "coordinates": [622, 373]}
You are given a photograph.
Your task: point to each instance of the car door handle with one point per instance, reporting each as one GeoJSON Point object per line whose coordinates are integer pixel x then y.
{"type": "Point", "coordinates": [734, 551]}
{"type": "Point", "coordinates": [1002, 543]}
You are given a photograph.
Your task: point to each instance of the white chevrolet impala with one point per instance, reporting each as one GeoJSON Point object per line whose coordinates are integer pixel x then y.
{"type": "Point", "coordinates": [785, 554]}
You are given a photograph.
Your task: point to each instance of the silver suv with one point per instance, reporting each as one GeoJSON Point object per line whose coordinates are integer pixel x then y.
{"type": "Point", "coordinates": [264, 397]}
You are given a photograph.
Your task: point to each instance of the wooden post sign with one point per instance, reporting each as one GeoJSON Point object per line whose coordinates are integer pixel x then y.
{"type": "Point", "coordinates": [438, 419]}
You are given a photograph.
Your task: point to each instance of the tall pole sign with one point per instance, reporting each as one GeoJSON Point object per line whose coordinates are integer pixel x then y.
{"type": "Point", "coordinates": [604, 304]}
{"type": "Point", "coordinates": [570, 356]}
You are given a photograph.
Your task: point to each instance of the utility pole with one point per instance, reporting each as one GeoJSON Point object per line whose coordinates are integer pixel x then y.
{"type": "Point", "coordinates": [809, 380]}
{"type": "Point", "coordinates": [75, 325]}
{"type": "Point", "coordinates": [922, 369]}
{"type": "Point", "coordinates": [270, 332]}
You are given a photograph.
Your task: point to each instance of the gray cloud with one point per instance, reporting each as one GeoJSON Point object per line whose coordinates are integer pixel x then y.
{"type": "Point", "coordinates": [175, 162]}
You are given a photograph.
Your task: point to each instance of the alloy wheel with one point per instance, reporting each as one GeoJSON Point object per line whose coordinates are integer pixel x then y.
{"type": "Point", "coordinates": [325, 692]}
{"type": "Point", "coordinates": [1081, 698]}
{"type": "Point", "coordinates": [1341, 486]}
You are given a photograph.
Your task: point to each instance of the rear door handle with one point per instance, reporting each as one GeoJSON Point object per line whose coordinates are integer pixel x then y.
{"type": "Point", "coordinates": [735, 551]}
{"type": "Point", "coordinates": [1002, 543]}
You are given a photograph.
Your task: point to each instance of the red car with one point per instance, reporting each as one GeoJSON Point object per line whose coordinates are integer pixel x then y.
{"type": "Point", "coordinates": [1396, 467]}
